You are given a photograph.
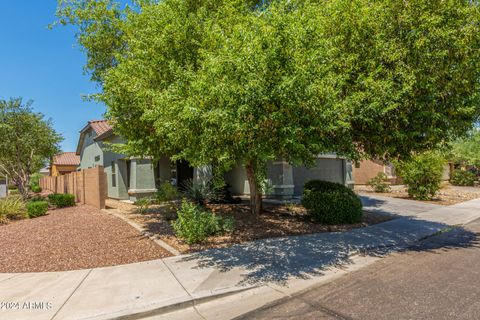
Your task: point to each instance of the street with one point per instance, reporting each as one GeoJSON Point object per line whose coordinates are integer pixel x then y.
{"type": "Point", "coordinates": [437, 279]}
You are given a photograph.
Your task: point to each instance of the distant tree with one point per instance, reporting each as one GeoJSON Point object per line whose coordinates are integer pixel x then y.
{"type": "Point", "coordinates": [27, 142]}
{"type": "Point", "coordinates": [466, 150]}
{"type": "Point", "coordinates": [244, 81]}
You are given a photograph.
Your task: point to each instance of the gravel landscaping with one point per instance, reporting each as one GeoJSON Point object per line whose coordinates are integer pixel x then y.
{"type": "Point", "coordinates": [276, 221]}
{"type": "Point", "coordinates": [72, 238]}
{"type": "Point", "coordinates": [447, 195]}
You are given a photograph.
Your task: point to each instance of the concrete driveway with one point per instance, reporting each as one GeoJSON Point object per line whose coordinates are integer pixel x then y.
{"type": "Point", "coordinates": [437, 279]}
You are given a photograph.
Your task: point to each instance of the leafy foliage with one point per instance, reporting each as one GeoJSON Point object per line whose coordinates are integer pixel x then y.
{"type": "Point", "coordinates": [27, 142]}
{"type": "Point", "coordinates": [35, 182]}
{"type": "Point", "coordinates": [235, 81]}
{"type": "Point", "coordinates": [197, 191]}
{"type": "Point", "coordinates": [466, 150]}
{"type": "Point", "coordinates": [166, 192]}
{"type": "Point", "coordinates": [62, 200]}
{"type": "Point", "coordinates": [143, 204]}
{"type": "Point", "coordinates": [462, 178]}
{"type": "Point", "coordinates": [422, 174]}
{"type": "Point", "coordinates": [37, 208]}
{"type": "Point", "coordinates": [12, 208]}
{"type": "Point", "coordinates": [195, 225]}
{"type": "Point", "coordinates": [331, 203]}
{"type": "Point", "coordinates": [380, 183]}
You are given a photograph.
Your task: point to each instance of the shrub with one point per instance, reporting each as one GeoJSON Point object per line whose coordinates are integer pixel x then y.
{"type": "Point", "coordinates": [462, 178]}
{"type": "Point", "coordinates": [198, 192]}
{"type": "Point", "coordinates": [142, 205]}
{"type": "Point", "coordinates": [12, 208]}
{"type": "Point", "coordinates": [37, 208]}
{"type": "Point", "coordinates": [380, 183]}
{"type": "Point", "coordinates": [36, 189]}
{"type": "Point", "coordinates": [422, 174]}
{"type": "Point", "coordinates": [223, 195]}
{"type": "Point", "coordinates": [62, 200]}
{"type": "Point", "coordinates": [194, 224]}
{"type": "Point", "coordinates": [331, 203]}
{"type": "Point", "coordinates": [166, 192]}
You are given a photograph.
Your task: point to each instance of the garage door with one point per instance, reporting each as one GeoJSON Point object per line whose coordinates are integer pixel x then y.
{"type": "Point", "coordinates": [325, 169]}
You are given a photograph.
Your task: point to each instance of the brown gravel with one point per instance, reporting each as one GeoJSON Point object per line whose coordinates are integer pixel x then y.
{"type": "Point", "coordinates": [72, 238]}
{"type": "Point", "coordinates": [276, 221]}
{"type": "Point", "coordinates": [446, 196]}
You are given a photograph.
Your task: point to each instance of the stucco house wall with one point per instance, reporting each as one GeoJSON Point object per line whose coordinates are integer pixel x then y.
{"type": "Point", "coordinates": [3, 187]}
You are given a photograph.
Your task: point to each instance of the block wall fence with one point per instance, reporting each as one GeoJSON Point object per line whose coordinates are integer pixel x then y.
{"type": "Point", "coordinates": [89, 186]}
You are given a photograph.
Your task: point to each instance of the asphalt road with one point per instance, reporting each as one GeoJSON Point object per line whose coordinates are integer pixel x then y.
{"type": "Point", "coordinates": [437, 279]}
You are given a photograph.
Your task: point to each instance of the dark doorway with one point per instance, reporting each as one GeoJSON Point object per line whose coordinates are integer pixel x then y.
{"type": "Point", "coordinates": [129, 170]}
{"type": "Point", "coordinates": [184, 172]}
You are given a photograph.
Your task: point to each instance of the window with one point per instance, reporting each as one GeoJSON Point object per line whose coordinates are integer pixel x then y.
{"type": "Point", "coordinates": [97, 158]}
{"type": "Point", "coordinates": [114, 175]}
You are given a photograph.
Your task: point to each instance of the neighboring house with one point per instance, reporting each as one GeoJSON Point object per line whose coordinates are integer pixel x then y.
{"type": "Point", "coordinates": [130, 178]}
{"type": "Point", "coordinates": [3, 187]}
{"type": "Point", "coordinates": [64, 163]}
{"type": "Point", "coordinates": [367, 169]}
{"type": "Point", "coordinates": [45, 171]}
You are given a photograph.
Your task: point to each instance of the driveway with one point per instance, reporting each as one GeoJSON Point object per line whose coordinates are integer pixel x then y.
{"type": "Point", "coordinates": [72, 238]}
{"type": "Point", "coordinates": [436, 279]}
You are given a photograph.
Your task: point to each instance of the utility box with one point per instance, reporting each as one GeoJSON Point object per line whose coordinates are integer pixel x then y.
{"type": "Point", "coordinates": [3, 187]}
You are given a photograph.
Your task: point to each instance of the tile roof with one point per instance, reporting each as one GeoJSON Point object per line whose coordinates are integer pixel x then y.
{"type": "Point", "coordinates": [100, 126]}
{"type": "Point", "coordinates": [66, 159]}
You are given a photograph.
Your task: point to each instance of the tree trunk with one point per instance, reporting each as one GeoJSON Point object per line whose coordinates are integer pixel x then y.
{"type": "Point", "coordinates": [255, 189]}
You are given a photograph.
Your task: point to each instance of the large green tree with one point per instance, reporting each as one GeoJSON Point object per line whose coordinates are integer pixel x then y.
{"type": "Point", "coordinates": [27, 142]}
{"type": "Point", "coordinates": [238, 81]}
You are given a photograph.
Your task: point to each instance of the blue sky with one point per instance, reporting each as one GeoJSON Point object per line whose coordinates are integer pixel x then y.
{"type": "Point", "coordinates": [45, 66]}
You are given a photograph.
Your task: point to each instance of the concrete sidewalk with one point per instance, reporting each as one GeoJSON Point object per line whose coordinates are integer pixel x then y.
{"type": "Point", "coordinates": [269, 269]}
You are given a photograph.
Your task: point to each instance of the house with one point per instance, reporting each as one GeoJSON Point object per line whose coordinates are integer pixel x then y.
{"type": "Point", "coordinates": [365, 170]}
{"type": "Point", "coordinates": [3, 187]}
{"type": "Point", "coordinates": [64, 163]}
{"type": "Point", "coordinates": [130, 178]}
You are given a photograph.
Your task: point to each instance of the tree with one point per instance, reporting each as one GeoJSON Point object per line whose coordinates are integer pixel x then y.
{"type": "Point", "coordinates": [237, 81]}
{"type": "Point", "coordinates": [466, 150]}
{"type": "Point", "coordinates": [27, 142]}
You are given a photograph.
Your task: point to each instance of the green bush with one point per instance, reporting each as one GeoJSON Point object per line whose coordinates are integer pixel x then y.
{"type": "Point", "coordinates": [37, 208]}
{"type": "Point", "coordinates": [195, 225]}
{"type": "Point", "coordinates": [331, 203]}
{"type": "Point", "coordinates": [36, 189]}
{"type": "Point", "coordinates": [422, 174]}
{"type": "Point", "coordinates": [143, 204]}
{"type": "Point", "coordinates": [62, 200]}
{"type": "Point", "coordinates": [462, 178]}
{"type": "Point", "coordinates": [12, 208]}
{"type": "Point", "coordinates": [198, 192]}
{"type": "Point", "coordinates": [166, 192]}
{"type": "Point", "coordinates": [380, 183]}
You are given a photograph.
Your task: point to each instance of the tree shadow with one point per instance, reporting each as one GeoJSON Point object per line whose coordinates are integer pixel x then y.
{"type": "Point", "coordinates": [280, 259]}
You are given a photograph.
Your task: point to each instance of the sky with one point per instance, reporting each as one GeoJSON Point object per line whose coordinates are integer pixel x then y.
{"type": "Point", "coordinates": [45, 66]}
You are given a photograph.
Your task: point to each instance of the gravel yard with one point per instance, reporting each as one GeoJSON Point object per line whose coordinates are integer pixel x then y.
{"type": "Point", "coordinates": [275, 221]}
{"type": "Point", "coordinates": [446, 196]}
{"type": "Point", "coordinates": [72, 238]}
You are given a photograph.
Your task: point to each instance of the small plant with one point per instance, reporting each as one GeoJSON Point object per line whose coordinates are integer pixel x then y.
{"type": "Point", "coordinates": [422, 174]}
{"type": "Point", "coordinates": [37, 208]}
{"type": "Point", "coordinates": [143, 204]}
{"type": "Point", "coordinates": [331, 203]}
{"type": "Point", "coordinates": [166, 192]}
{"type": "Point", "coordinates": [462, 178]}
{"type": "Point", "coordinates": [194, 224]}
{"type": "Point", "coordinates": [62, 200]}
{"type": "Point", "coordinates": [36, 189]}
{"type": "Point", "coordinates": [198, 192]}
{"type": "Point", "coordinates": [12, 208]}
{"type": "Point", "coordinates": [380, 183]}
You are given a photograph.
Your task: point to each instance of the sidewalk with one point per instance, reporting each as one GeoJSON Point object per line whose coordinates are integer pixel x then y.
{"type": "Point", "coordinates": [269, 268]}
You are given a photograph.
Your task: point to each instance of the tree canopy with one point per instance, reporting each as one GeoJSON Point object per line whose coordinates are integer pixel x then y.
{"type": "Point", "coordinates": [237, 81]}
{"type": "Point", "coordinates": [466, 150]}
{"type": "Point", "coordinates": [27, 142]}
